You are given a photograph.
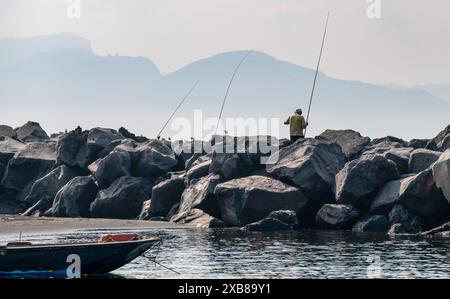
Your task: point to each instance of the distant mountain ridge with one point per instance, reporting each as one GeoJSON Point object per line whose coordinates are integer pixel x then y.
{"type": "Point", "coordinates": [61, 83]}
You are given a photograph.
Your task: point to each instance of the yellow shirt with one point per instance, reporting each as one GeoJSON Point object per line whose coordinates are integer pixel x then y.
{"type": "Point", "coordinates": [297, 124]}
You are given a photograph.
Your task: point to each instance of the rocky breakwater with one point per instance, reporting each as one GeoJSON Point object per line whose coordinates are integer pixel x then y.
{"type": "Point", "coordinates": [338, 180]}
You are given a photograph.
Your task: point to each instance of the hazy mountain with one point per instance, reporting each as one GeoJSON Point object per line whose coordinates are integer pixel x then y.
{"type": "Point", "coordinates": [15, 50]}
{"type": "Point", "coordinates": [438, 90]}
{"type": "Point", "coordinates": [67, 86]}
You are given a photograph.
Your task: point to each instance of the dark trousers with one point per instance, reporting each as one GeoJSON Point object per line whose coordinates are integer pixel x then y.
{"type": "Point", "coordinates": [295, 138]}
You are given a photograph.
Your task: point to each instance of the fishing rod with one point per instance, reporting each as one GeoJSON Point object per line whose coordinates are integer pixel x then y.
{"type": "Point", "coordinates": [178, 107]}
{"type": "Point", "coordinates": [317, 71]}
{"type": "Point", "coordinates": [229, 86]}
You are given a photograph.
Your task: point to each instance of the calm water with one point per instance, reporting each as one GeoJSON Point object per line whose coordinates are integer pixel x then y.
{"type": "Point", "coordinates": [304, 254]}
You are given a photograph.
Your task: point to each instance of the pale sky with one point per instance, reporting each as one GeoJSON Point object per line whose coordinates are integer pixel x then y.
{"type": "Point", "coordinates": [408, 45]}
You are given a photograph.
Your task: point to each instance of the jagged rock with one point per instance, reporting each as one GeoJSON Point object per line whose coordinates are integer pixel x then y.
{"type": "Point", "coordinates": [31, 163]}
{"type": "Point", "coordinates": [422, 197]}
{"type": "Point", "coordinates": [45, 188]}
{"type": "Point", "coordinates": [400, 156]}
{"type": "Point", "coordinates": [74, 199]}
{"type": "Point", "coordinates": [441, 174]}
{"type": "Point", "coordinates": [198, 171]}
{"type": "Point", "coordinates": [164, 196]}
{"type": "Point", "coordinates": [110, 168]}
{"type": "Point", "coordinates": [200, 195]}
{"type": "Point", "coordinates": [389, 140]}
{"type": "Point", "coordinates": [275, 221]}
{"type": "Point", "coordinates": [441, 140]}
{"type": "Point", "coordinates": [418, 193]}
{"type": "Point", "coordinates": [351, 142]}
{"type": "Point", "coordinates": [337, 216]}
{"type": "Point", "coordinates": [418, 143]}
{"type": "Point", "coordinates": [388, 196]}
{"type": "Point", "coordinates": [360, 179]}
{"type": "Point", "coordinates": [122, 200]}
{"type": "Point", "coordinates": [155, 159]}
{"type": "Point", "coordinates": [421, 159]}
{"type": "Point", "coordinates": [197, 218]}
{"type": "Point", "coordinates": [445, 143]}
{"type": "Point", "coordinates": [7, 131]}
{"type": "Point", "coordinates": [410, 223]}
{"type": "Point", "coordinates": [311, 165]}
{"type": "Point", "coordinates": [267, 224]}
{"type": "Point", "coordinates": [31, 131]}
{"type": "Point", "coordinates": [188, 151]}
{"type": "Point", "coordinates": [286, 216]}
{"type": "Point", "coordinates": [71, 149]}
{"type": "Point", "coordinates": [375, 223]}
{"type": "Point", "coordinates": [231, 166]}
{"type": "Point", "coordinates": [127, 134]}
{"type": "Point", "coordinates": [79, 149]}
{"type": "Point", "coordinates": [383, 145]}
{"type": "Point", "coordinates": [250, 199]}
{"type": "Point", "coordinates": [8, 148]}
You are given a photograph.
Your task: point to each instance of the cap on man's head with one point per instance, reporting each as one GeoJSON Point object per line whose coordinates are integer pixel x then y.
{"type": "Point", "coordinates": [299, 111]}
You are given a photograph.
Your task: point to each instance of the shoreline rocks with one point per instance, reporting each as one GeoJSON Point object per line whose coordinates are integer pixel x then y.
{"type": "Point", "coordinates": [338, 180]}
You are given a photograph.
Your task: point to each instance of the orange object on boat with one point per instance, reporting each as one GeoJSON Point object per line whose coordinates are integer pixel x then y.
{"type": "Point", "coordinates": [119, 238]}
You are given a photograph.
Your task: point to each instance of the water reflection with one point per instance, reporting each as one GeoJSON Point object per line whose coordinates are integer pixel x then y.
{"type": "Point", "coordinates": [232, 253]}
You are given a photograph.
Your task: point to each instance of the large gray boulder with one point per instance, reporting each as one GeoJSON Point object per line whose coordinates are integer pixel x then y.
{"type": "Point", "coordinates": [231, 165]}
{"type": "Point", "coordinates": [45, 188]}
{"type": "Point", "coordinates": [383, 145]}
{"type": "Point", "coordinates": [122, 200]}
{"type": "Point", "coordinates": [8, 148]}
{"type": "Point", "coordinates": [31, 163]}
{"type": "Point", "coordinates": [155, 159]}
{"type": "Point", "coordinates": [164, 196]}
{"type": "Point", "coordinates": [337, 216]}
{"type": "Point", "coordinates": [200, 195]}
{"type": "Point", "coordinates": [311, 165]}
{"type": "Point", "coordinates": [418, 193]}
{"type": "Point", "coordinates": [7, 131]}
{"type": "Point", "coordinates": [250, 199]}
{"type": "Point", "coordinates": [441, 141]}
{"type": "Point", "coordinates": [372, 224]}
{"type": "Point", "coordinates": [360, 179]}
{"type": "Point", "coordinates": [127, 134]}
{"type": "Point", "coordinates": [197, 218]}
{"type": "Point", "coordinates": [74, 199]}
{"type": "Point", "coordinates": [113, 166]}
{"type": "Point", "coordinates": [275, 221]}
{"type": "Point", "coordinates": [418, 143]}
{"type": "Point", "coordinates": [441, 174]}
{"type": "Point", "coordinates": [198, 170]}
{"type": "Point", "coordinates": [400, 156]}
{"type": "Point", "coordinates": [421, 159]}
{"type": "Point", "coordinates": [351, 142]}
{"type": "Point", "coordinates": [31, 131]}
{"type": "Point", "coordinates": [80, 148]}
{"type": "Point", "coordinates": [410, 223]}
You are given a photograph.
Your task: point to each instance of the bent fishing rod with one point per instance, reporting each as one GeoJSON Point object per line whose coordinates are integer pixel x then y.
{"type": "Point", "coordinates": [178, 107]}
{"type": "Point", "coordinates": [229, 86]}
{"type": "Point", "coordinates": [317, 71]}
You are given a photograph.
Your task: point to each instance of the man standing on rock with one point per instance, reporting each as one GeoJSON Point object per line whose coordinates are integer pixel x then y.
{"type": "Point", "coordinates": [297, 125]}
